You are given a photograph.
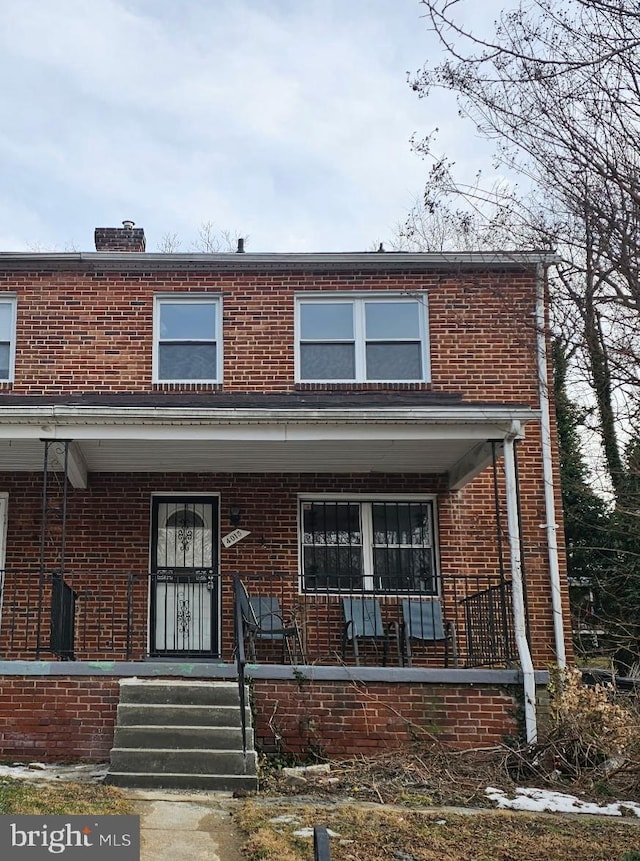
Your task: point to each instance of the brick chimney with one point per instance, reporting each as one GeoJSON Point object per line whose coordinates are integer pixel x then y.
{"type": "Point", "coordinates": [125, 238]}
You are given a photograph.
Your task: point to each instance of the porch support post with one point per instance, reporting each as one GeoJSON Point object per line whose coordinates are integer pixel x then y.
{"type": "Point", "coordinates": [517, 591]}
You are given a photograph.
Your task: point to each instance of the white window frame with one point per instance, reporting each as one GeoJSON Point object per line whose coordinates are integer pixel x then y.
{"type": "Point", "coordinates": [366, 524]}
{"type": "Point", "coordinates": [182, 299]}
{"type": "Point", "coordinates": [12, 301]}
{"type": "Point", "coordinates": [358, 301]}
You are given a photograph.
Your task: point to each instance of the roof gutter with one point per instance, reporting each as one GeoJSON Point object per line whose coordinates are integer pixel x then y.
{"type": "Point", "coordinates": [373, 261]}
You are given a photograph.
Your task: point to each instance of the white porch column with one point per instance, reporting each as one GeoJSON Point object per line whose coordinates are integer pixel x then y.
{"type": "Point", "coordinates": [517, 591]}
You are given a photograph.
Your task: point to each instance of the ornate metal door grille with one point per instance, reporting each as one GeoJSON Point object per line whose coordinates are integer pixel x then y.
{"type": "Point", "coordinates": [184, 581]}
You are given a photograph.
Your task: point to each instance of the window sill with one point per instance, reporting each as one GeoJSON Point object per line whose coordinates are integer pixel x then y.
{"type": "Point", "coordinates": [350, 387]}
{"type": "Point", "coordinates": [187, 387]}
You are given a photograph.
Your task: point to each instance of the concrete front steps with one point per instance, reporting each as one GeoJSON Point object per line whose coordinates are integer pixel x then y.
{"type": "Point", "coordinates": [181, 735]}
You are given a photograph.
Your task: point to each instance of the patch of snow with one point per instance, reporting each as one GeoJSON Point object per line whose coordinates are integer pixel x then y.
{"type": "Point", "coordinates": [548, 801]}
{"type": "Point", "coordinates": [82, 773]}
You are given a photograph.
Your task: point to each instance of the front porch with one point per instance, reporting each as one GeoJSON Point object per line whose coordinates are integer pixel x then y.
{"type": "Point", "coordinates": [407, 581]}
{"type": "Point", "coordinates": [105, 616]}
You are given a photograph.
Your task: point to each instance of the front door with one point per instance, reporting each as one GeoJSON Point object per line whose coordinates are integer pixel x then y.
{"type": "Point", "coordinates": [184, 576]}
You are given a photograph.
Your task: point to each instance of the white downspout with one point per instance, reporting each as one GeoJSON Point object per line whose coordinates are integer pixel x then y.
{"type": "Point", "coordinates": [547, 471]}
{"type": "Point", "coordinates": [517, 592]}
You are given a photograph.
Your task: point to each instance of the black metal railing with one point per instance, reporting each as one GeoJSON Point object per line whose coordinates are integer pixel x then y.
{"type": "Point", "coordinates": [83, 615]}
{"type": "Point", "coordinates": [63, 611]}
{"type": "Point", "coordinates": [97, 615]}
{"type": "Point", "coordinates": [240, 659]}
{"type": "Point", "coordinates": [466, 622]}
{"type": "Point", "coordinates": [490, 636]}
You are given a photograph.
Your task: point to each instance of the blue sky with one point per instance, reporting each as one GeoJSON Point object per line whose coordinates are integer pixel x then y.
{"type": "Point", "coordinates": [287, 121]}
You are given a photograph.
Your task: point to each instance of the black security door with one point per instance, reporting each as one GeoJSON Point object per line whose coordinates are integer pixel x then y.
{"type": "Point", "coordinates": [184, 576]}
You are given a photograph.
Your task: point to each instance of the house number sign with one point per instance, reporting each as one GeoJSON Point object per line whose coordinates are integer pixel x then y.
{"type": "Point", "coordinates": [235, 536]}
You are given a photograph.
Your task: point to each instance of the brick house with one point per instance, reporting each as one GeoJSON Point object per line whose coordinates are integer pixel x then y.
{"type": "Point", "coordinates": [318, 427]}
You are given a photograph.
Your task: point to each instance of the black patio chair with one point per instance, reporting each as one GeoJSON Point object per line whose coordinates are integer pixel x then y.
{"type": "Point", "coordinates": [263, 621]}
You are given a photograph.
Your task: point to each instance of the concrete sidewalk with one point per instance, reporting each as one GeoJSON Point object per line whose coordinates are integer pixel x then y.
{"type": "Point", "coordinates": [186, 827]}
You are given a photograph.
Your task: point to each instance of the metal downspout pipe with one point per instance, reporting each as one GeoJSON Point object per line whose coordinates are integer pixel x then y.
{"type": "Point", "coordinates": [517, 592]}
{"type": "Point", "coordinates": [547, 471]}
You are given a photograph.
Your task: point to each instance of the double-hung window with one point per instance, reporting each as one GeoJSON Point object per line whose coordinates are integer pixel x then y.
{"type": "Point", "coordinates": [378, 545]}
{"type": "Point", "coordinates": [7, 338]}
{"type": "Point", "coordinates": [187, 339]}
{"type": "Point", "coordinates": [362, 339]}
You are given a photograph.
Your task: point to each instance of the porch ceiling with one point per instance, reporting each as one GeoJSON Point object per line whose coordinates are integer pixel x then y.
{"type": "Point", "coordinates": [180, 455]}
{"type": "Point", "coordinates": [439, 441]}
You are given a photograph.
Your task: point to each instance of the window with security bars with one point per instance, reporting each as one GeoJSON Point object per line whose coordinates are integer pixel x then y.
{"type": "Point", "coordinates": [376, 546]}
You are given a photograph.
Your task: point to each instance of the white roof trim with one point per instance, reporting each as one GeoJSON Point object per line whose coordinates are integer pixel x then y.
{"type": "Point", "coordinates": [84, 415]}
{"type": "Point", "coordinates": [389, 260]}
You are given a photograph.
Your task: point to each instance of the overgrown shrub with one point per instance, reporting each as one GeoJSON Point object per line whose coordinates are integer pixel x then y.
{"type": "Point", "coordinates": [589, 724]}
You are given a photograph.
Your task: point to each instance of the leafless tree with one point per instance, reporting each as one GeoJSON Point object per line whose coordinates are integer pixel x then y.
{"type": "Point", "coordinates": [556, 86]}
{"type": "Point", "coordinates": [209, 240]}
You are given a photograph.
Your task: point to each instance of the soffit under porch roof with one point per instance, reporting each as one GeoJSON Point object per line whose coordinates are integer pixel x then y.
{"type": "Point", "coordinates": [429, 434]}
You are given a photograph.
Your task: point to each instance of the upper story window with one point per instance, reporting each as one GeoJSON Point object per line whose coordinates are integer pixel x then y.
{"type": "Point", "coordinates": [7, 338]}
{"type": "Point", "coordinates": [187, 339]}
{"type": "Point", "coordinates": [364, 339]}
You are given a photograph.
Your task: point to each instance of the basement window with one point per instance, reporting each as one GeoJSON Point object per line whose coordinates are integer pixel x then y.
{"type": "Point", "coordinates": [7, 338]}
{"type": "Point", "coordinates": [368, 545]}
{"type": "Point", "coordinates": [362, 339]}
{"type": "Point", "coordinates": [187, 339]}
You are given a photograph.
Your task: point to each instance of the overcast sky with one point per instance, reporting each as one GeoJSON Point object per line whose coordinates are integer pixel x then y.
{"type": "Point", "coordinates": [287, 121]}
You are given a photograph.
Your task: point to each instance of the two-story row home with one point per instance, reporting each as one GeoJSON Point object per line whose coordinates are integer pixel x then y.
{"type": "Point", "coordinates": [332, 475]}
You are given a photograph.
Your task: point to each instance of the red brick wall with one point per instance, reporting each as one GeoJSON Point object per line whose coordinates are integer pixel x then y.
{"type": "Point", "coordinates": [61, 718]}
{"type": "Point", "coordinates": [350, 718]}
{"type": "Point", "coordinates": [84, 331]}
{"type": "Point", "coordinates": [72, 718]}
{"type": "Point", "coordinates": [92, 331]}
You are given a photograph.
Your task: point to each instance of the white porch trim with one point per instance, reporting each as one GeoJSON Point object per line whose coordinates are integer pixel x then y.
{"type": "Point", "coordinates": [438, 440]}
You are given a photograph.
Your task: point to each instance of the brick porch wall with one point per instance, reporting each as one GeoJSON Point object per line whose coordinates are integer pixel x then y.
{"type": "Point", "coordinates": [72, 718]}
{"type": "Point", "coordinates": [338, 718]}
{"type": "Point", "coordinates": [61, 719]}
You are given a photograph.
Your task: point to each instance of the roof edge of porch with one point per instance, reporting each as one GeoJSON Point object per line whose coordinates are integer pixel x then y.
{"type": "Point", "coordinates": [130, 415]}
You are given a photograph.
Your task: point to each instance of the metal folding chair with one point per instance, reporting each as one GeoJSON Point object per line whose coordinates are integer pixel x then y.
{"type": "Point", "coordinates": [423, 621]}
{"type": "Point", "coordinates": [363, 621]}
{"type": "Point", "coordinates": [263, 621]}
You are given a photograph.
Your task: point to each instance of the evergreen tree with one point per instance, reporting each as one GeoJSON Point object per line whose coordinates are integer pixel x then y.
{"type": "Point", "coordinates": [617, 584]}
{"type": "Point", "coordinates": [586, 517]}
